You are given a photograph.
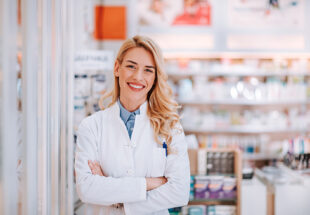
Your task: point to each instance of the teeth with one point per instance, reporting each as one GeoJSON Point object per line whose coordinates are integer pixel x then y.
{"type": "Point", "coordinates": [135, 86]}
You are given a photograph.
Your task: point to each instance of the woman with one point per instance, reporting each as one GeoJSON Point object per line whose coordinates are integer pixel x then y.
{"type": "Point", "coordinates": [131, 158]}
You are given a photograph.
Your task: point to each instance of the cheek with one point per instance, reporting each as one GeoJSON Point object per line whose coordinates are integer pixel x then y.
{"type": "Point", "coordinates": [151, 83]}
{"type": "Point", "coordinates": [122, 80]}
{"type": "Point", "coordinates": [121, 83]}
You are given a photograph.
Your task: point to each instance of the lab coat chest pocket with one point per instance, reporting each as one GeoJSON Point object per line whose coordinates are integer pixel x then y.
{"type": "Point", "coordinates": [158, 162]}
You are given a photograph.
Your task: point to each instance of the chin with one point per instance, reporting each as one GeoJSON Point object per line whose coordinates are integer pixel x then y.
{"type": "Point", "coordinates": [138, 98]}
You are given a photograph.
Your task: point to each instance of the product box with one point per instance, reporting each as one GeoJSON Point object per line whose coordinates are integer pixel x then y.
{"type": "Point", "coordinates": [110, 22]}
{"type": "Point", "coordinates": [192, 188]}
{"type": "Point", "coordinates": [221, 210]}
{"type": "Point", "coordinates": [215, 187]}
{"type": "Point", "coordinates": [194, 210]}
{"type": "Point", "coordinates": [192, 155]}
{"type": "Point", "coordinates": [230, 188]}
{"type": "Point", "coordinates": [201, 187]}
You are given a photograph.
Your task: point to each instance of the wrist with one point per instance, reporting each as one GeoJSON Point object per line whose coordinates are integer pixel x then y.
{"type": "Point", "coordinates": [148, 184]}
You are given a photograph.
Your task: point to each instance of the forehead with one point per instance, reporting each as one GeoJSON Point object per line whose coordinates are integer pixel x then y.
{"type": "Point", "coordinates": [140, 55]}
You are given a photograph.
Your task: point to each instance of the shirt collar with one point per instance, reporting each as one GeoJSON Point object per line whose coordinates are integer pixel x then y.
{"type": "Point", "coordinates": [125, 114]}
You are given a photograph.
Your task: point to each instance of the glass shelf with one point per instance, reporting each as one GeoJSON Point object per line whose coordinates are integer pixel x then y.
{"type": "Point", "coordinates": [213, 202]}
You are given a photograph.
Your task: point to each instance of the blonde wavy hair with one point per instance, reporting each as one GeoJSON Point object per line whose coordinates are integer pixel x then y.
{"type": "Point", "coordinates": [162, 109]}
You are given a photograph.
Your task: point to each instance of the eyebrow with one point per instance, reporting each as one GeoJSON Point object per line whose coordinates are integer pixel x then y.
{"type": "Point", "coordinates": [130, 61]}
{"type": "Point", "coordinates": [151, 67]}
{"type": "Point", "coordinates": [133, 62]}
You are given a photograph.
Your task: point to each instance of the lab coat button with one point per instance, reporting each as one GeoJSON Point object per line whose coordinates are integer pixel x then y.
{"type": "Point", "coordinates": [134, 145]}
{"type": "Point", "coordinates": [130, 172]}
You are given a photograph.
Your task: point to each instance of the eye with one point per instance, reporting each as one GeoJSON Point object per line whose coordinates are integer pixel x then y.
{"type": "Point", "coordinates": [149, 70]}
{"type": "Point", "coordinates": [130, 67]}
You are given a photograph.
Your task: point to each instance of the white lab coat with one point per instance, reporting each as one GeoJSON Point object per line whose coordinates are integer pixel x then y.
{"type": "Point", "coordinates": [104, 137]}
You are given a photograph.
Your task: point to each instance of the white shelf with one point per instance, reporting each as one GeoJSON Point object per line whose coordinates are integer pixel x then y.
{"type": "Point", "coordinates": [244, 130]}
{"type": "Point", "coordinates": [211, 54]}
{"type": "Point", "coordinates": [242, 102]}
{"type": "Point", "coordinates": [177, 29]}
{"type": "Point", "coordinates": [260, 156]}
{"type": "Point", "coordinates": [188, 73]}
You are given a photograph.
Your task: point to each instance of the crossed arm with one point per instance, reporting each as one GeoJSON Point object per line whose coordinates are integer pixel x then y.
{"type": "Point", "coordinates": [151, 182]}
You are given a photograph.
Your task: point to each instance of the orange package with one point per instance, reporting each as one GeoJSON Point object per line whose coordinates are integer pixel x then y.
{"type": "Point", "coordinates": [110, 23]}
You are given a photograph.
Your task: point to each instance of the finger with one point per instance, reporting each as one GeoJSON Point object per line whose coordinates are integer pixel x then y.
{"type": "Point", "coordinates": [98, 169]}
{"type": "Point", "coordinates": [93, 164]}
{"type": "Point", "coordinates": [97, 165]}
{"type": "Point", "coordinates": [95, 168]}
{"type": "Point", "coordinates": [90, 164]}
{"type": "Point", "coordinates": [92, 167]}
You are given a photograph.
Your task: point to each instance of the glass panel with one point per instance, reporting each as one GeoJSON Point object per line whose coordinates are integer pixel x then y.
{"type": "Point", "coordinates": [28, 41]}
{"type": "Point", "coordinates": [20, 160]}
{"type": "Point", "coordinates": [8, 108]}
{"type": "Point", "coordinates": [1, 110]}
{"type": "Point", "coordinates": [36, 155]}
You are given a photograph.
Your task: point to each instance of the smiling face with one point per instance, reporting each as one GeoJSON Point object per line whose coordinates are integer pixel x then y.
{"type": "Point", "coordinates": [136, 76]}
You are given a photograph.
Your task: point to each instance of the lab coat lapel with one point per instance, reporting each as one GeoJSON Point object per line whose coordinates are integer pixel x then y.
{"type": "Point", "coordinates": [140, 121]}
{"type": "Point", "coordinates": [121, 126]}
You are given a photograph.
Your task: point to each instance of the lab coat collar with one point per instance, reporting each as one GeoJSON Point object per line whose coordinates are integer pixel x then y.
{"type": "Point", "coordinates": [125, 114]}
{"type": "Point", "coordinates": [143, 109]}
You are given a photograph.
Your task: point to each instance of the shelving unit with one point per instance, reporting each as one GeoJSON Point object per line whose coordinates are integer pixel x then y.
{"type": "Point", "coordinates": [208, 73]}
{"type": "Point", "coordinates": [243, 102]}
{"type": "Point", "coordinates": [189, 73]}
{"type": "Point", "coordinates": [244, 130]}
{"type": "Point", "coordinates": [193, 156]}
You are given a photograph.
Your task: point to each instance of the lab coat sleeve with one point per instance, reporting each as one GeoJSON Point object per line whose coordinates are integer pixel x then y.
{"type": "Point", "coordinates": [175, 192]}
{"type": "Point", "coordinates": [101, 190]}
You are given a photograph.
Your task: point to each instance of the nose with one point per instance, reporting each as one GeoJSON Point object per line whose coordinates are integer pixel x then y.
{"type": "Point", "coordinates": [138, 75]}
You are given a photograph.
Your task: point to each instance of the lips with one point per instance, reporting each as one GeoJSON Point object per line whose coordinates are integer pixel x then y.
{"type": "Point", "coordinates": [136, 86]}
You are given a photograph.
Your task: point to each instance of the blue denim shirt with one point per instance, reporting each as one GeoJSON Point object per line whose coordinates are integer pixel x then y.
{"type": "Point", "coordinates": [128, 117]}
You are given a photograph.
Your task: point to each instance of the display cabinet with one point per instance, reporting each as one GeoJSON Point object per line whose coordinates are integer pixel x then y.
{"type": "Point", "coordinates": [287, 190]}
{"type": "Point", "coordinates": [217, 176]}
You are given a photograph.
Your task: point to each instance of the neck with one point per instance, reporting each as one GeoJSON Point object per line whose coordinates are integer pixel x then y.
{"type": "Point", "coordinates": [131, 105]}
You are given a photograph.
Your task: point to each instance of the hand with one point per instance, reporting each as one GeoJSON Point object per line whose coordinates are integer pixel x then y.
{"type": "Point", "coordinates": [95, 168]}
{"type": "Point", "coordinates": [152, 183]}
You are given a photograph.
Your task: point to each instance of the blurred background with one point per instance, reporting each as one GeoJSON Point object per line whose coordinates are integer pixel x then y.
{"type": "Point", "coordinates": [240, 69]}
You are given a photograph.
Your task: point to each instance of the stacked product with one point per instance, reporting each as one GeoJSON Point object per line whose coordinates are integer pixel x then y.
{"type": "Point", "coordinates": [298, 161]}
{"type": "Point", "coordinates": [215, 187]}
{"type": "Point", "coordinates": [238, 66]}
{"type": "Point", "coordinates": [208, 210]}
{"type": "Point", "coordinates": [245, 120]}
{"type": "Point", "coordinates": [248, 144]}
{"type": "Point", "coordinates": [242, 89]}
{"type": "Point", "coordinates": [298, 153]}
{"type": "Point", "coordinates": [192, 188]}
{"type": "Point", "coordinates": [215, 163]}
{"type": "Point", "coordinates": [87, 91]}
{"type": "Point", "coordinates": [216, 176]}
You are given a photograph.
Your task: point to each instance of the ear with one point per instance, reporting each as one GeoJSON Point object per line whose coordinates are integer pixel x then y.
{"type": "Point", "coordinates": [116, 68]}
